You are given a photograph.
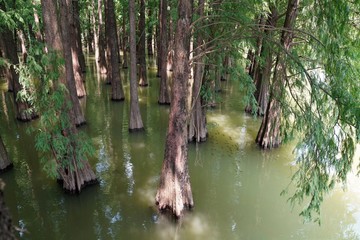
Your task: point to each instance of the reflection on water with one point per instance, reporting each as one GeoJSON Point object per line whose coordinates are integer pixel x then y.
{"type": "Point", "coordinates": [236, 186]}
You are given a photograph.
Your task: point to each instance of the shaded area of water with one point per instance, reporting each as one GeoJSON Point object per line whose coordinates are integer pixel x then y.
{"type": "Point", "coordinates": [236, 186]}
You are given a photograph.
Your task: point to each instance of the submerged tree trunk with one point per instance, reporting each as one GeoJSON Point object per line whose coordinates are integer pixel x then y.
{"type": "Point", "coordinates": [135, 122]}
{"type": "Point", "coordinates": [74, 173]}
{"type": "Point", "coordinates": [197, 125]}
{"type": "Point", "coordinates": [142, 49]}
{"type": "Point", "coordinates": [6, 227]}
{"type": "Point", "coordinates": [269, 134]}
{"type": "Point", "coordinates": [5, 162]}
{"type": "Point", "coordinates": [113, 73]}
{"type": "Point", "coordinates": [164, 97]}
{"type": "Point", "coordinates": [174, 192]}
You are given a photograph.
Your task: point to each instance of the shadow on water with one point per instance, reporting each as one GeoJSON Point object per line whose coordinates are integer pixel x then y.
{"type": "Point", "coordinates": [236, 187]}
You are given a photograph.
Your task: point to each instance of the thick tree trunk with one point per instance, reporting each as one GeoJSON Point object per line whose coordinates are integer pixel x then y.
{"type": "Point", "coordinates": [77, 33]}
{"type": "Point", "coordinates": [174, 192]}
{"type": "Point", "coordinates": [77, 54]}
{"type": "Point", "coordinates": [113, 66]}
{"type": "Point", "coordinates": [142, 49]}
{"type": "Point", "coordinates": [75, 173]}
{"type": "Point", "coordinates": [68, 56]}
{"type": "Point", "coordinates": [269, 134]}
{"type": "Point", "coordinates": [197, 125]}
{"type": "Point", "coordinates": [6, 227]}
{"type": "Point", "coordinates": [164, 97]}
{"type": "Point", "coordinates": [5, 162]}
{"type": "Point", "coordinates": [135, 122]}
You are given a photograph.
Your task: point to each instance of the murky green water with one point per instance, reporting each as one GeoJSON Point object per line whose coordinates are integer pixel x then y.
{"type": "Point", "coordinates": [236, 186]}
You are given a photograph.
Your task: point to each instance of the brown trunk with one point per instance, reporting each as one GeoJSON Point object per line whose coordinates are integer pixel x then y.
{"type": "Point", "coordinates": [149, 39]}
{"type": "Point", "coordinates": [6, 227]}
{"type": "Point", "coordinates": [68, 54]}
{"type": "Point", "coordinates": [158, 39]}
{"type": "Point", "coordinates": [76, 48]}
{"type": "Point", "coordinates": [174, 192]}
{"type": "Point", "coordinates": [142, 50]}
{"type": "Point", "coordinates": [101, 33]}
{"type": "Point", "coordinates": [164, 92]}
{"type": "Point", "coordinates": [112, 53]}
{"type": "Point", "coordinates": [124, 41]}
{"type": "Point", "coordinates": [77, 173]}
{"type": "Point", "coordinates": [94, 23]}
{"type": "Point", "coordinates": [197, 125]}
{"type": "Point", "coordinates": [77, 34]}
{"type": "Point", "coordinates": [269, 134]}
{"type": "Point", "coordinates": [135, 122]}
{"type": "Point", "coordinates": [5, 162]}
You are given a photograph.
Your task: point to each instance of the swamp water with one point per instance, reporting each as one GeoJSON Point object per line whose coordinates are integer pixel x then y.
{"type": "Point", "coordinates": [236, 186]}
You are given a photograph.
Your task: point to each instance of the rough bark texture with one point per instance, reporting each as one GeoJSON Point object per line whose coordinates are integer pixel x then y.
{"type": "Point", "coordinates": [112, 53]}
{"type": "Point", "coordinates": [67, 49]}
{"type": "Point", "coordinates": [197, 125]}
{"type": "Point", "coordinates": [142, 49]}
{"type": "Point", "coordinates": [135, 122]}
{"type": "Point", "coordinates": [8, 51]}
{"type": "Point", "coordinates": [74, 178]}
{"type": "Point", "coordinates": [269, 133]}
{"type": "Point", "coordinates": [5, 162]}
{"type": "Point", "coordinates": [164, 97]}
{"type": "Point", "coordinates": [78, 59]}
{"type": "Point", "coordinates": [6, 227]}
{"type": "Point", "coordinates": [174, 192]}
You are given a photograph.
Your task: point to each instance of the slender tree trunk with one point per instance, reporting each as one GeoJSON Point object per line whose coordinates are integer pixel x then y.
{"type": "Point", "coordinates": [101, 33]}
{"type": "Point", "coordinates": [149, 39]}
{"type": "Point", "coordinates": [125, 41]}
{"type": "Point", "coordinates": [94, 23]}
{"type": "Point", "coordinates": [113, 74]}
{"type": "Point", "coordinates": [6, 227]}
{"type": "Point", "coordinates": [5, 162]}
{"type": "Point", "coordinates": [135, 123]}
{"type": "Point", "coordinates": [77, 54]}
{"type": "Point", "coordinates": [142, 49]}
{"type": "Point", "coordinates": [269, 134]}
{"type": "Point", "coordinates": [158, 39]}
{"type": "Point", "coordinates": [197, 124]}
{"type": "Point", "coordinates": [77, 34]}
{"type": "Point", "coordinates": [78, 173]}
{"type": "Point", "coordinates": [174, 192]}
{"type": "Point", "coordinates": [164, 97]}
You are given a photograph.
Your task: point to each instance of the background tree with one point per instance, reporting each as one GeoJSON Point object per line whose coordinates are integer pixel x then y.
{"type": "Point", "coordinates": [142, 46]}
{"type": "Point", "coordinates": [5, 162]}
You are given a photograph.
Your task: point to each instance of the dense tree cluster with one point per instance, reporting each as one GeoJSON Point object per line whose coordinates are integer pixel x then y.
{"type": "Point", "coordinates": [297, 61]}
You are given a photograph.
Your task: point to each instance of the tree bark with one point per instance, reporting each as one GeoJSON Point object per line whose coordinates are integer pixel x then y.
{"type": "Point", "coordinates": [143, 82]}
{"type": "Point", "coordinates": [76, 173]}
{"type": "Point", "coordinates": [6, 227]}
{"type": "Point", "coordinates": [197, 125]}
{"type": "Point", "coordinates": [5, 162]}
{"type": "Point", "coordinates": [112, 53]}
{"type": "Point", "coordinates": [77, 54]}
{"type": "Point", "coordinates": [135, 122]}
{"type": "Point", "coordinates": [174, 191]}
{"type": "Point", "coordinates": [269, 134]}
{"type": "Point", "coordinates": [164, 97]}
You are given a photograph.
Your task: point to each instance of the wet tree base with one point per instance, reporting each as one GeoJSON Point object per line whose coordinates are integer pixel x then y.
{"type": "Point", "coordinates": [133, 130]}
{"type": "Point", "coordinates": [27, 117]}
{"type": "Point", "coordinates": [7, 168]}
{"type": "Point", "coordinates": [75, 192]}
{"type": "Point", "coordinates": [169, 214]}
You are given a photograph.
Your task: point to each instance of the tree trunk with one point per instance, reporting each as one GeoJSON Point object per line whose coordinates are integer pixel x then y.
{"type": "Point", "coordinates": [135, 122]}
{"type": "Point", "coordinates": [197, 125]}
{"type": "Point", "coordinates": [5, 162]}
{"type": "Point", "coordinates": [77, 34]}
{"type": "Point", "coordinates": [96, 26]}
{"type": "Point", "coordinates": [112, 53]}
{"type": "Point", "coordinates": [77, 54]}
{"type": "Point", "coordinates": [74, 173]}
{"type": "Point", "coordinates": [149, 39]}
{"type": "Point", "coordinates": [102, 60]}
{"type": "Point", "coordinates": [6, 227]}
{"type": "Point", "coordinates": [142, 49]}
{"type": "Point", "coordinates": [174, 191]}
{"type": "Point", "coordinates": [164, 92]}
{"type": "Point", "coordinates": [125, 41]}
{"type": "Point", "coordinates": [269, 134]}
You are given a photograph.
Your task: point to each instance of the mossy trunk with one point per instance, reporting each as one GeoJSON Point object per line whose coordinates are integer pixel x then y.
{"type": "Point", "coordinates": [174, 191]}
